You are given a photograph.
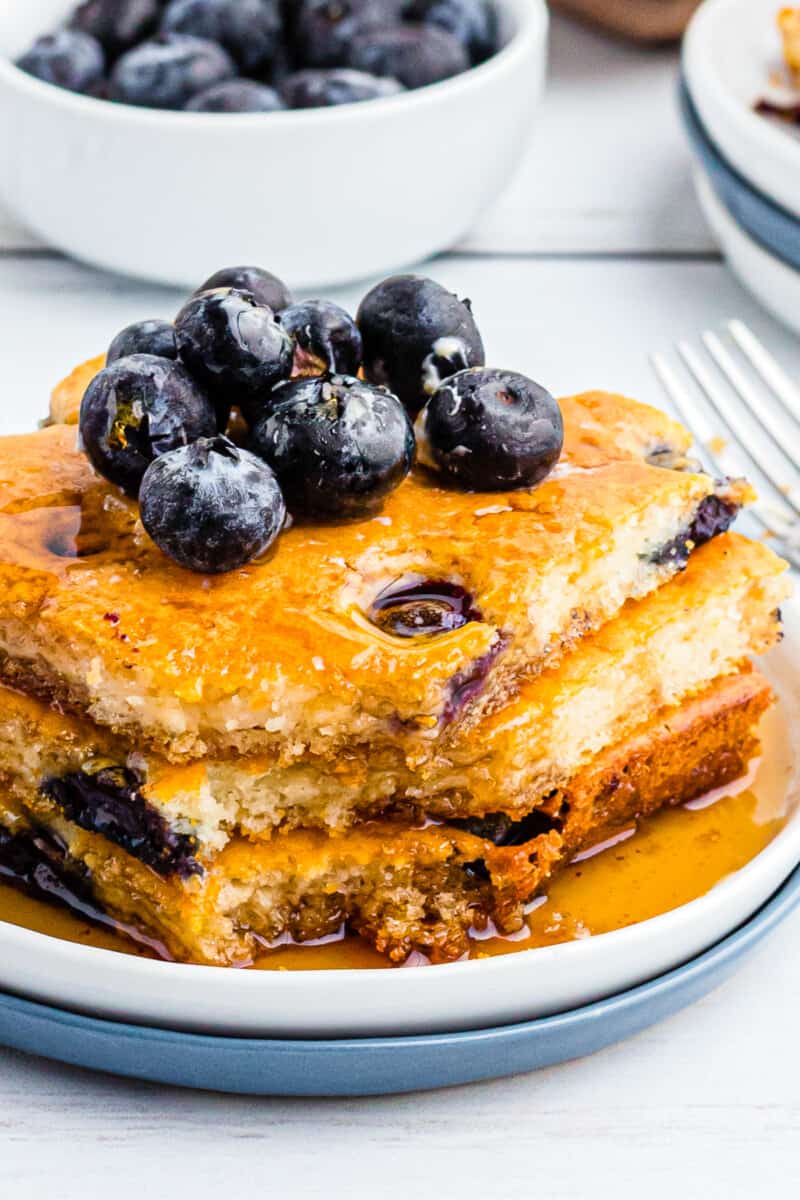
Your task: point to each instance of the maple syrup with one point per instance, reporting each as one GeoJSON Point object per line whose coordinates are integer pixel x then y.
{"type": "Point", "coordinates": [632, 874]}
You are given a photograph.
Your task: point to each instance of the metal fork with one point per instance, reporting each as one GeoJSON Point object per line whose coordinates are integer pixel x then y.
{"type": "Point", "coordinates": [747, 423]}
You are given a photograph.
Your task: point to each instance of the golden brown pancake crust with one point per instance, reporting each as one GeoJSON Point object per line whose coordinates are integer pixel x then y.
{"type": "Point", "coordinates": [282, 652]}
{"type": "Point", "coordinates": [423, 889]}
{"type": "Point", "coordinates": [657, 652]}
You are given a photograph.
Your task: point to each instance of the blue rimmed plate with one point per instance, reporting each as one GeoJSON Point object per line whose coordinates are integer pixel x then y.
{"type": "Point", "coordinates": [374, 1066]}
{"type": "Point", "coordinates": [772, 226]}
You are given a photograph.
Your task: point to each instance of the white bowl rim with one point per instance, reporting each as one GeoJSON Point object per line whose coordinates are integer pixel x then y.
{"type": "Point", "coordinates": [699, 35]}
{"type": "Point", "coordinates": [140, 970]}
{"type": "Point", "coordinates": [532, 22]}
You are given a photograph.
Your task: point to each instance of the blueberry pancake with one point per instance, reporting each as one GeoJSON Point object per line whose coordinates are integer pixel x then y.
{"type": "Point", "coordinates": [659, 651]}
{"type": "Point", "coordinates": [403, 888]}
{"type": "Point", "coordinates": [323, 623]}
{"type": "Point", "coordinates": [410, 621]}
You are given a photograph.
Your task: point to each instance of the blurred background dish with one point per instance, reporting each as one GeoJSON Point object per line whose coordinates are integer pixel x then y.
{"type": "Point", "coordinates": [732, 58]}
{"type": "Point", "coordinates": [775, 283]}
{"type": "Point", "coordinates": [747, 173]}
{"type": "Point", "coordinates": [644, 20]}
{"type": "Point", "coordinates": [777, 229]}
{"type": "Point", "coordinates": [324, 195]}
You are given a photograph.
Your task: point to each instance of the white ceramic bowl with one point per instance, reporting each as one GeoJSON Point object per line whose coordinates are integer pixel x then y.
{"type": "Point", "coordinates": [319, 196]}
{"type": "Point", "coordinates": [773, 282]}
{"type": "Point", "coordinates": [467, 995]}
{"type": "Point", "coordinates": [730, 51]}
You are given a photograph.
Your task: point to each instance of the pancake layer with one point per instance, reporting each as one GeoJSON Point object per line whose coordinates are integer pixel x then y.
{"type": "Point", "coordinates": [402, 888]}
{"type": "Point", "coordinates": [307, 650]}
{"type": "Point", "coordinates": [657, 652]}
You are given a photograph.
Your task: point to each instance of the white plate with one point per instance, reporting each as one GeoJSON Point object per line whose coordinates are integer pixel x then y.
{"type": "Point", "coordinates": [320, 196]}
{"type": "Point", "coordinates": [731, 49]}
{"type": "Point", "coordinates": [772, 281]}
{"type": "Point", "coordinates": [467, 995]}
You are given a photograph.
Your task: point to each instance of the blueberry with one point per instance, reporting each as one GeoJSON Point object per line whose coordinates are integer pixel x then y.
{"type": "Point", "coordinates": [415, 334]}
{"type": "Point", "coordinates": [326, 338]}
{"type": "Point", "coordinates": [211, 506]}
{"type": "Point", "coordinates": [234, 347]}
{"type": "Point", "coordinates": [168, 70]}
{"type": "Point", "coordinates": [266, 289]}
{"type": "Point", "coordinates": [337, 445]}
{"type": "Point", "coordinates": [101, 89]}
{"type": "Point", "coordinates": [137, 409]}
{"type": "Point", "coordinates": [318, 87]}
{"type": "Point", "coordinates": [109, 801]}
{"type": "Point", "coordinates": [250, 30]}
{"type": "Point", "coordinates": [144, 337]}
{"type": "Point", "coordinates": [117, 24]}
{"type": "Point", "coordinates": [473, 22]}
{"type": "Point", "coordinates": [415, 54]}
{"type": "Point", "coordinates": [322, 30]}
{"type": "Point", "coordinates": [236, 96]}
{"type": "Point", "coordinates": [490, 430]}
{"type": "Point", "coordinates": [68, 59]}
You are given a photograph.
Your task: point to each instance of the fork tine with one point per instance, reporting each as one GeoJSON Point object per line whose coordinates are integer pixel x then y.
{"type": "Point", "coordinates": [683, 406]}
{"type": "Point", "coordinates": [734, 427]}
{"type": "Point", "coordinates": [771, 520]}
{"type": "Point", "coordinates": [767, 367]}
{"type": "Point", "coordinates": [753, 401]}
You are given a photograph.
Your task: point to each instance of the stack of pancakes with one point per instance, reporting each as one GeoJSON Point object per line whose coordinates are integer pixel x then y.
{"type": "Point", "coordinates": [401, 726]}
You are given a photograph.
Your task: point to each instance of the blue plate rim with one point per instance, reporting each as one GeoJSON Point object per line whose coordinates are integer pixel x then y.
{"type": "Point", "coordinates": [767, 222]}
{"type": "Point", "coordinates": [783, 901]}
{"type": "Point", "coordinates": [384, 1065]}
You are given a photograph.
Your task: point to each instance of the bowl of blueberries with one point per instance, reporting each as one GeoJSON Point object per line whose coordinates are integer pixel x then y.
{"type": "Point", "coordinates": [337, 139]}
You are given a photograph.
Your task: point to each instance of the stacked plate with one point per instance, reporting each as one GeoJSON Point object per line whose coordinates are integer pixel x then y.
{"type": "Point", "coordinates": [748, 163]}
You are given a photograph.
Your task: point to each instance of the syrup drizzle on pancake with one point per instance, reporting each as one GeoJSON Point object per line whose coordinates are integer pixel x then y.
{"type": "Point", "coordinates": [673, 857]}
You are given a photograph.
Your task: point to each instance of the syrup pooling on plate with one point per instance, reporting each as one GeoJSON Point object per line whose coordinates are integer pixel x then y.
{"type": "Point", "coordinates": [673, 857]}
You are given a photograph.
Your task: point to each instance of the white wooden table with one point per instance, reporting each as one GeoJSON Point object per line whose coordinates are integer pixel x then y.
{"type": "Point", "coordinates": [596, 255]}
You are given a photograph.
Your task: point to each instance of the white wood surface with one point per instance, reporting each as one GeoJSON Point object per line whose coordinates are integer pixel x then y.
{"type": "Point", "coordinates": [706, 1105]}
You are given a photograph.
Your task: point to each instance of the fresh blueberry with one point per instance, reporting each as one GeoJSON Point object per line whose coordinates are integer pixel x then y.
{"type": "Point", "coordinates": [337, 445]}
{"type": "Point", "coordinates": [326, 338]}
{"type": "Point", "coordinates": [168, 70]}
{"type": "Point", "coordinates": [319, 88]}
{"type": "Point", "coordinates": [490, 430]}
{"type": "Point", "coordinates": [265, 288]}
{"type": "Point", "coordinates": [250, 30]}
{"type": "Point", "coordinates": [68, 59]}
{"type": "Point", "coordinates": [234, 347]}
{"type": "Point", "coordinates": [211, 506]}
{"type": "Point", "coordinates": [236, 96]}
{"type": "Point", "coordinates": [473, 22]}
{"type": "Point", "coordinates": [144, 337]}
{"type": "Point", "coordinates": [415, 54]}
{"type": "Point", "coordinates": [415, 334]}
{"type": "Point", "coordinates": [117, 24]}
{"type": "Point", "coordinates": [322, 30]}
{"type": "Point", "coordinates": [101, 89]}
{"type": "Point", "coordinates": [138, 409]}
